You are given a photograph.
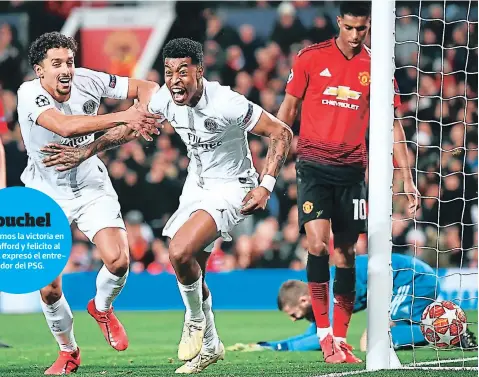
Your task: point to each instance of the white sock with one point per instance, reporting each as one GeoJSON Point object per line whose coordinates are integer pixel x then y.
{"type": "Point", "coordinates": [324, 332]}
{"type": "Point", "coordinates": [60, 321]}
{"type": "Point", "coordinates": [211, 339]}
{"type": "Point", "coordinates": [339, 339]}
{"type": "Point", "coordinates": [108, 287]}
{"type": "Point", "coordinates": [192, 296]}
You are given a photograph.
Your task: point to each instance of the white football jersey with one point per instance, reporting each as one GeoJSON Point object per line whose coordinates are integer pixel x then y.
{"type": "Point", "coordinates": [88, 88]}
{"type": "Point", "coordinates": [214, 131]}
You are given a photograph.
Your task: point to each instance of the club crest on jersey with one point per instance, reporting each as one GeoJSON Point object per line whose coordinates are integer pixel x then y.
{"type": "Point", "coordinates": [42, 100]}
{"type": "Point", "coordinates": [307, 207]}
{"type": "Point", "coordinates": [211, 125]}
{"type": "Point", "coordinates": [364, 78]}
{"type": "Point", "coordinates": [89, 107]}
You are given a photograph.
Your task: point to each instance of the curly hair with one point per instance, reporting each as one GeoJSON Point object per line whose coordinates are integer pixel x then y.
{"type": "Point", "coordinates": [184, 48]}
{"type": "Point", "coordinates": [355, 8]}
{"type": "Point", "coordinates": [39, 48]}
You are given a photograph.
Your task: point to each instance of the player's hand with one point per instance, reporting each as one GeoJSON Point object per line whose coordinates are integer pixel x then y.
{"type": "Point", "coordinates": [413, 196]}
{"type": "Point", "coordinates": [63, 156]}
{"type": "Point", "coordinates": [143, 122]}
{"type": "Point", "coordinates": [254, 200]}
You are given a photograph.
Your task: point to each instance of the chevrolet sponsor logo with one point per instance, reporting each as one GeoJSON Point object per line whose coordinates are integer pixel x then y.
{"type": "Point", "coordinates": [342, 92]}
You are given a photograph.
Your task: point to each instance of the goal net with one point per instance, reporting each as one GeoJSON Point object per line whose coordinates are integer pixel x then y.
{"type": "Point", "coordinates": [436, 67]}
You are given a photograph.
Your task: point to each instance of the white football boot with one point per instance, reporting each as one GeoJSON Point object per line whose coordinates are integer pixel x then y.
{"type": "Point", "coordinates": [191, 339]}
{"type": "Point", "coordinates": [202, 361]}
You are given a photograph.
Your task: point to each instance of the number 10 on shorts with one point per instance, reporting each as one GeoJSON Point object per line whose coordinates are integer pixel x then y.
{"type": "Point", "coordinates": [359, 209]}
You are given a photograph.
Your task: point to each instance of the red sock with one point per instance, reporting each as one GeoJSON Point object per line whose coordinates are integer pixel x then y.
{"type": "Point", "coordinates": [343, 309]}
{"type": "Point", "coordinates": [317, 271]}
{"type": "Point", "coordinates": [319, 293]}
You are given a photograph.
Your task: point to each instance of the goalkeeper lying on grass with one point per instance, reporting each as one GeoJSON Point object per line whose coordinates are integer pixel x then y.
{"type": "Point", "coordinates": [294, 300]}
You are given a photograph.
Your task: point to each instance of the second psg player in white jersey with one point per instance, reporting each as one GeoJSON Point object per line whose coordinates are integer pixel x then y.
{"type": "Point", "coordinates": [60, 106]}
{"type": "Point", "coordinates": [222, 184]}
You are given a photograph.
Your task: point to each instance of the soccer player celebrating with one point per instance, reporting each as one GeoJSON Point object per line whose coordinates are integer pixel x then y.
{"type": "Point", "coordinates": [331, 81]}
{"type": "Point", "coordinates": [221, 187]}
{"type": "Point", "coordinates": [61, 106]}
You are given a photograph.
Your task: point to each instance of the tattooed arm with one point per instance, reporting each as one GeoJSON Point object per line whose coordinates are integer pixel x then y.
{"type": "Point", "coordinates": [66, 157]}
{"type": "Point", "coordinates": [112, 139]}
{"type": "Point", "coordinates": [280, 137]}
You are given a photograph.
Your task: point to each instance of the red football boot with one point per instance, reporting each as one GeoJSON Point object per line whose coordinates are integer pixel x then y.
{"type": "Point", "coordinates": [110, 326]}
{"type": "Point", "coordinates": [350, 358]}
{"type": "Point", "coordinates": [67, 362]}
{"type": "Point", "coordinates": [331, 351]}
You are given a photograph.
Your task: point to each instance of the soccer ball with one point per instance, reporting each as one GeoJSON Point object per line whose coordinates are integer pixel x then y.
{"type": "Point", "coordinates": [443, 323]}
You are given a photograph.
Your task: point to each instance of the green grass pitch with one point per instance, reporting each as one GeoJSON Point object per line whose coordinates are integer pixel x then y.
{"type": "Point", "coordinates": [154, 336]}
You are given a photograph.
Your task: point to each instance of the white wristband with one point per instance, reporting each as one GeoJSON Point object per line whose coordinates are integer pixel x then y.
{"type": "Point", "coordinates": [268, 182]}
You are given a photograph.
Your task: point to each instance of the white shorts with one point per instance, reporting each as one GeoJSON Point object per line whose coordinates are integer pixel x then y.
{"type": "Point", "coordinates": [222, 200]}
{"type": "Point", "coordinates": [94, 210]}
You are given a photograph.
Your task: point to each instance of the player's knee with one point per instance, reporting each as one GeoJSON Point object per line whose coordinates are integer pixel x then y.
{"type": "Point", "coordinates": [117, 261]}
{"type": "Point", "coordinates": [51, 293]}
{"type": "Point", "coordinates": [318, 247]}
{"type": "Point", "coordinates": [180, 253]}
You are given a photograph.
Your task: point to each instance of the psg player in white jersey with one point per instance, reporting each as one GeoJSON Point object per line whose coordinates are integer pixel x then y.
{"type": "Point", "coordinates": [222, 184]}
{"type": "Point", "coordinates": [60, 106]}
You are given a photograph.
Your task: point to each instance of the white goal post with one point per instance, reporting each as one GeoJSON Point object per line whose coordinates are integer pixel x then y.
{"type": "Point", "coordinates": [438, 62]}
{"type": "Point", "coordinates": [380, 354]}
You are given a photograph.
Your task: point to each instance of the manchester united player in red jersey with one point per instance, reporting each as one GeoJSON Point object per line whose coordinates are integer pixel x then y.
{"type": "Point", "coordinates": [331, 81]}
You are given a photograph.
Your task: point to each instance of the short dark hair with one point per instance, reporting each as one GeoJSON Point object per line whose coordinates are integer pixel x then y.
{"type": "Point", "coordinates": [355, 8]}
{"type": "Point", "coordinates": [39, 48]}
{"type": "Point", "coordinates": [290, 292]}
{"type": "Point", "coordinates": [184, 48]}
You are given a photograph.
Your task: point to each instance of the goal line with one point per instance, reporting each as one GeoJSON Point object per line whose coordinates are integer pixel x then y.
{"type": "Point", "coordinates": [425, 365]}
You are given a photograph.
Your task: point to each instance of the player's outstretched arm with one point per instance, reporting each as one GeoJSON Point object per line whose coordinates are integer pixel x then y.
{"type": "Point", "coordinates": [67, 158]}
{"type": "Point", "coordinates": [308, 341]}
{"type": "Point", "coordinates": [136, 118]}
{"type": "Point", "coordinates": [280, 137]}
{"type": "Point", "coordinates": [401, 157]}
{"type": "Point", "coordinates": [3, 167]}
{"type": "Point", "coordinates": [142, 90]}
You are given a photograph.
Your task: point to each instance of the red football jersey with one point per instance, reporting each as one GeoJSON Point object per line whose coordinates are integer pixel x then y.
{"type": "Point", "coordinates": [335, 109]}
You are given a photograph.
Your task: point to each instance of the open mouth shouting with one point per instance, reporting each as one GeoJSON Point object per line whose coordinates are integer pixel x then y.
{"type": "Point", "coordinates": [179, 94]}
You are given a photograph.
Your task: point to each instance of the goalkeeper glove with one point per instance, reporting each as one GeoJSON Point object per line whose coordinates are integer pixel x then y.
{"type": "Point", "coordinates": [242, 347]}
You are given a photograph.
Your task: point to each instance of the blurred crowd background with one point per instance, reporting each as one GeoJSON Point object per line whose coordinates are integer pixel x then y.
{"type": "Point", "coordinates": [251, 46]}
